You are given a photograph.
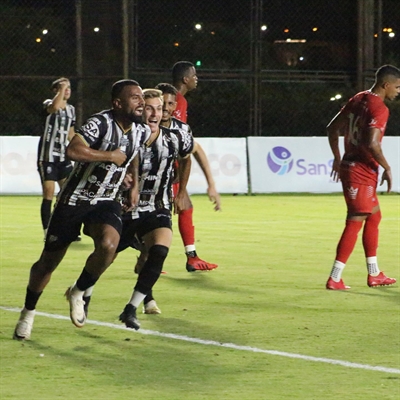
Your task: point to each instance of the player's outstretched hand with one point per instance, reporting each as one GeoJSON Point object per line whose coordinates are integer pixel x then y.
{"type": "Point", "coordinates": [181, 202]}
{"type": "Point", "coordinates": [335, 173]}
{"type": "Point", "coordinates": [215, 198]}
{"type": "Point", "coordinates": [132, 199]}
{"type": "Point", "coordinates": [387, 176]}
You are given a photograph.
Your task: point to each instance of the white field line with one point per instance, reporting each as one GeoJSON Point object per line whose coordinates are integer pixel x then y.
{"type": "Point", "coordinates": [346, 364]}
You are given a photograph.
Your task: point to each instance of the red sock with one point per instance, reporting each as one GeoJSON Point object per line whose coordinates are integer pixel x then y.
{"type": "Point", "coordinates": [186, 228]}
{"type": "Point", "coordinates": [371, 233]}
{"type": "Point", "coordinates": [348, 240]}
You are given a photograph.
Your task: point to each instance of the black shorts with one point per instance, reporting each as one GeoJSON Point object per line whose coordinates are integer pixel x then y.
{"type": "Point", "coordinates": [133, 230]}
{"type": "Point", "coordinates": [54, 171]}
{"type": "Point", "coordinates": [66, 221]}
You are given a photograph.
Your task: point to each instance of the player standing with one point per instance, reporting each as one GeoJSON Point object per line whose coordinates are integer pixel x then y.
{"type": "Point", "coordinates": [363, 122]}
{"type": "Point", "coordinates": [184, 79]}
{"type": "Point", "coordinates": [52, 162]}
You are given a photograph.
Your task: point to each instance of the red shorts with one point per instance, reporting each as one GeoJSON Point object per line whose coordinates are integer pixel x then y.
{"type": "Point", "coordinates": [359, 188]}
{"type": "Point", "coordinates": [360, 199]}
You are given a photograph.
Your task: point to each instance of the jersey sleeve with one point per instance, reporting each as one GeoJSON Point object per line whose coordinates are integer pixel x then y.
{"type": "Point", "coordinates": [378, 115]}
{"type": "Point", "coordinates": [93, 130]}
{"type": "Point", "coordinates": [45, 104]}
{"type": "Point", "coordinates": [73, 120]}
{"type": "Point", "coordinates": [186, 142]}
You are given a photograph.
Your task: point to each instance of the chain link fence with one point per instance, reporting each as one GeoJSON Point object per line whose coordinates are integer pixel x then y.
{"type": "Point", "coordinates": [271, 68]}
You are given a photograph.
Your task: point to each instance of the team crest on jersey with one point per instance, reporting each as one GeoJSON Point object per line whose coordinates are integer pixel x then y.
{"type": "Point", "coordinates": [91, 128]}
{"type": "Point", "coordinates": [352, 192]}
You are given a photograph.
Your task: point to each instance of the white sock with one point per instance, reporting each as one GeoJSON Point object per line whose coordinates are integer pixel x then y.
{"type": "Point", "coordinates": [88, 291]}
{"type": "Point", "coordinates": [190, 247]}
{"type": "Point", "coordinates": [76, 292]}
{"type": "Point", "coordinates": [337, 269]}
{"type": "Point", "coordinates": [372, 266]}
{"type": "Point", "coordinates": [136, 298]}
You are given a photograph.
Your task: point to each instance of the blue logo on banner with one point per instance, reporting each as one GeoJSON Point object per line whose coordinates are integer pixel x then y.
{"type": "Point", "coordinates": [280, 160]}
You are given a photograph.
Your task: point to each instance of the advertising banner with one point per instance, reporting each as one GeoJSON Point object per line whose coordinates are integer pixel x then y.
{"type": "Point", "coordinates": [18, 171]}
{"type": "Point", "coordinates": [297, 164]}
{"type": "Point", "coordinates": [276, 164]}
{"type": "Point", "coordinates": [228, 162]}
{"type": "Point", "coordinates": [227, 158]}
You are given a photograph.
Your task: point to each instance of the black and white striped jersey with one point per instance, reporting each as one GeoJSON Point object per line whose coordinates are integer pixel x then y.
{"type": "Point", "coordinates": [156, 169]}
{"type": "Point", "coordinates": [100, 181]}
{"type": "Point", "coordinates": [53, 142]}
{"type": "Point", "coordinates": [177, 124]}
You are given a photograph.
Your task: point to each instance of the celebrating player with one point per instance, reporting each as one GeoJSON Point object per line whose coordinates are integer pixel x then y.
{"type": "Point", "coordinates": [103, 150]}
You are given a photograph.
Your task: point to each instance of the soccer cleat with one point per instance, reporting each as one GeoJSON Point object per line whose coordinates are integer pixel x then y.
{"type": "Point", "coordinates": [76, 308]}
{"type": "Point", "coordinates": [197, 264]}
{"type": "Point", "coordinates": [332, 285]}
{"type": "Point", "coordinates": [24, 325]}
{"type": "Point", "coordinates": [151, 308]}
{"type": "Point", "coordinates": [128, 317]}
{"type": "Point", "coordinates": [86, 299]}
{"type": "Point", "coordinates": [380, 280]}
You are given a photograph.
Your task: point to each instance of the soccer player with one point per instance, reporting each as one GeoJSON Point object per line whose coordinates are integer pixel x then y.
{"type": "Point", "coordinates": [167, 120]}
{"type": "Point", "coordinates": [103, 150]}
{"type": "Point", "coordinates": [362, 121]}
{"type": "Point", "coordinates": [168, 93]}
{"type": "Point", "coordinates": [52, 162]}
{"type": "Point", "coordinates": [184, 79]}
{"type": "Point", "coordinates": [150, 222]}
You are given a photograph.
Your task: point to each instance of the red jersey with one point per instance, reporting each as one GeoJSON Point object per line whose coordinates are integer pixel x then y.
{"type": "Point", "coordinates": [364, 111]}
{"type": "Point", "coordinates": [181, 108]}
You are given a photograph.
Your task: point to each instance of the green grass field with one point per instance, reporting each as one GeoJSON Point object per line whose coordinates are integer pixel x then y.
{"type": "Point", "coordinates": [261, 326]}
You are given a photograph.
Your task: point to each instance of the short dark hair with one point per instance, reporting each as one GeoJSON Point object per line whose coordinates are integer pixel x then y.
{"type": "Point", "coordinates": [54, 85]}
{"type": "Point", "coordinates": [180, 69]}
{"type": "Point", "coordinates": [167, 88]}
{"type": "Point", "coordinates": [118, 86]}
{"type": "Point", "coordinates": [387, 71]}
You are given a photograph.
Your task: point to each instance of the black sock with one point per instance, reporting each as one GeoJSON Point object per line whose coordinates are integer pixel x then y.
{"type": "Point", "coordinates": [45, 212]}
{"type": "Point", "coordinates": [191, 253]}
{"type": "Point", "coordinates": [152, 268]}
{"type": "Point", "coordinates": [31, 299]}
{"type": "Point", "coordinates": [85, 280]}
{"type": "Point", "coordinates": [149, 297]}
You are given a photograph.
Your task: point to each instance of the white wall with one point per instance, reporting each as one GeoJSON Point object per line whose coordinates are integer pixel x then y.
{"type": "Point", "coordinates": [18, 171]}
{"type": "Point", "coordinates": [276, 164]}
